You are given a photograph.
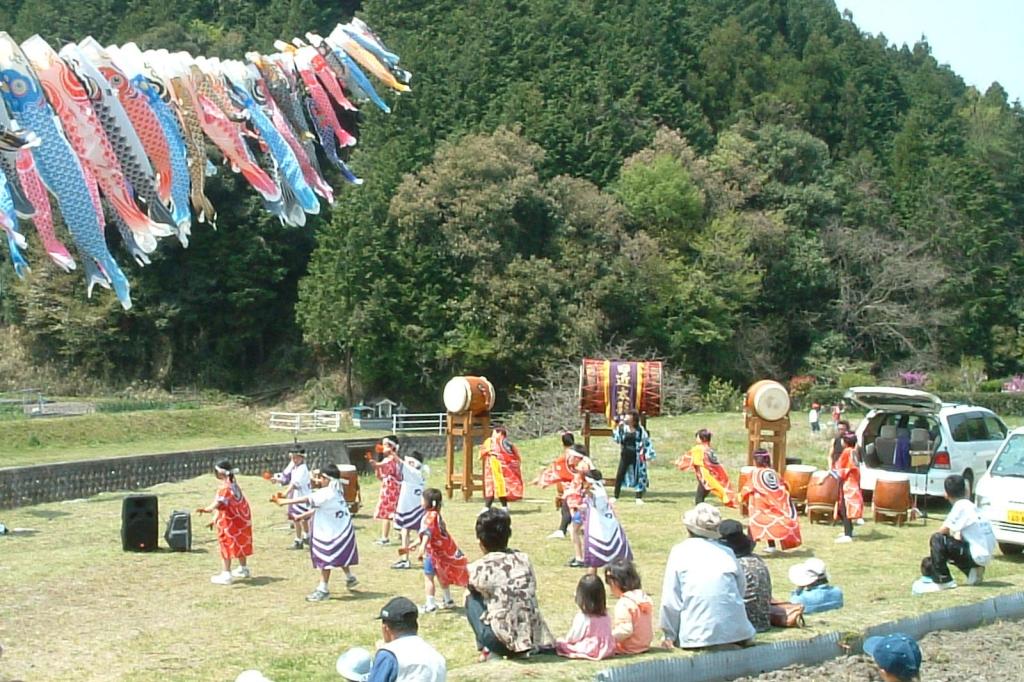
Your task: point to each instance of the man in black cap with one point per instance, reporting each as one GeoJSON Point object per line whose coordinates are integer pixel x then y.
{"type": "Point", "coordinates": [405, 656]}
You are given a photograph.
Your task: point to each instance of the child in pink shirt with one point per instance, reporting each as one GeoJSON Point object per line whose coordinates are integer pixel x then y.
{"type": "Point", "coordinates": [632, 624]}
{"type": "Point", "coordinates": [590, 636]}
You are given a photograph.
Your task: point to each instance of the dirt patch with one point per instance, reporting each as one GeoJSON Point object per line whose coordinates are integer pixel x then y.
{"type": "Point", "coordinates": [986, 654]}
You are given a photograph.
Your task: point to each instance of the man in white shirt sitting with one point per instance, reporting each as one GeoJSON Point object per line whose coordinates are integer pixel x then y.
{"type": "Point", "coordinates": [965, 538]}
{"type": "Point", "coordinates": [702, 593]}
{"type": "Point", "coordinates": [405, 657]}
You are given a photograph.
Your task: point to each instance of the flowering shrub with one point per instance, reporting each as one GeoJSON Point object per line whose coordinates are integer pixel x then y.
{"type": "Point", "coordinates": [914, 379]}
{"type": "Point", "coordinates": [1014, 385]}
{"type": "Point", "coordinates": [800, 385]}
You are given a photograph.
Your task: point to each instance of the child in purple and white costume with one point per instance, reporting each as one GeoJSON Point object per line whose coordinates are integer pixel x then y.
{"type": "Point", "coordinates": [296, 477]}
{"type": "Point", "coordinates": [604, 540]}
{"type": "Point", "coordinates": [332, 538]}
{"type": "Point", "coordinates": [409, 512]}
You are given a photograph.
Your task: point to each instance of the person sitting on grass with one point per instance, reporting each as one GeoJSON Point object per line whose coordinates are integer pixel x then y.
{"type": "Point", "coordinates": [590, 636]}
{"type": "Point", "coordinates": [501, 606]}
{"type": "Point", "coordinates": [405, 655]}
{"type": "Point", "coordinates": [354, 665]}
{"type": "Point", "coordinates": [702, 594]}
{"type": "Point", "coordinates": [965, 538]}
{"type": "Point", "coordinates": [812, 587]}
{"type": "Point", "coordinates": [897, 656]}
{"type": "Point", "coordinates": [757, 596]}
{"type": "Point", "coordinates": [633, 622]}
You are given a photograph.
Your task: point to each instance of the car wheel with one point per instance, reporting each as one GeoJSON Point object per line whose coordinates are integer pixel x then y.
{"type": "Point", "coordinates": [1010, 549]}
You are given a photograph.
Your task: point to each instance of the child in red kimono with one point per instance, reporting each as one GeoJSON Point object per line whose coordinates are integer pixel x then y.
{"type": "Point", "coordinates": [773, 515]}
{"type": "Point", "coordinates": [711, 475]}
{"type": "Point", "coordinates": [443, 559]}
{"type": "Point", "coordinates": [560, 473]}
{"type": "Point", "coordinates": [501, 462]}
{"type": "Point", "coordinates": [850, 506]}
{"type": "Point", "coordinates": [233, 519]}
{"type": "Point", "coordinates": [389, 471]}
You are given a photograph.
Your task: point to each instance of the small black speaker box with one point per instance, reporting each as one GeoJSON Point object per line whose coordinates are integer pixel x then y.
{"type": "Point", "coordinates": [139, 523]}
{"type": "Point", "coordinates": [179, 531]}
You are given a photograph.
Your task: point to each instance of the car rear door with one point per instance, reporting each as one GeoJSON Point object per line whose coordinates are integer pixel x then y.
{"type": "Point", "coordinates": [975, 444]}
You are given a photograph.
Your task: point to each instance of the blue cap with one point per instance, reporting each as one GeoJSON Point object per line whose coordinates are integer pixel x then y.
{"type": "Point", "coordinates": [897, 654]}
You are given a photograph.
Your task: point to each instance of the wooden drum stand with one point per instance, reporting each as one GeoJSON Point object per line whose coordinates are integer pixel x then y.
{"type": "Point", "coordinates": [467, 427]}
{"type": "Point", "coordinates": [773, 433]}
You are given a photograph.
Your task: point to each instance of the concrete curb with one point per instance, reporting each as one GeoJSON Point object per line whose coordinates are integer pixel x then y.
{"type": "Point", "coordinates": [727, 665]}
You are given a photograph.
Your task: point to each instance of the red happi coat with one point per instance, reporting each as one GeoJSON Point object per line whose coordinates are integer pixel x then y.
{"type": "Point", "coordinates": [390, 475]}
{"type": "Point", "coordinates": [848, 471]}
{"type": "Point", "coordinates": [234, 521]}
{"type": "Point", "coordinates": [450, 563]}
{"type": "Point", "coordinates": [772, 512]}
{"type": "Point", "coordinates": [501, 463]}
{"type": "Point", "coordinates": [556, 472]}
{"type": "Point", "coordinates": [709, 471]}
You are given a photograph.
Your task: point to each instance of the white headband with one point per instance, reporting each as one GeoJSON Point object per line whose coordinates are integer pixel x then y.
{"type": "Point", "coordinates": [219, 470]}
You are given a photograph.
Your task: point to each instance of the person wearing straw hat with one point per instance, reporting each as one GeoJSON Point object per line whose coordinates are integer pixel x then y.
{"type": "Point", "coordinates": [702, 593]}
{"type": "Point", "coordinates": [813, 589]}
{"type": "Point", "coordinates": [897, 656]}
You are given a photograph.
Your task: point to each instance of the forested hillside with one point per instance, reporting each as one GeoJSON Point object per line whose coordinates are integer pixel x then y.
{"type": "Point", "coordinates": [742, 188]}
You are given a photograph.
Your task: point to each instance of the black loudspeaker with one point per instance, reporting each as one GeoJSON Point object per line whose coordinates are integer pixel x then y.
{"type": "Point", "coordinates": [179, 531]}
{"type": "Point", "coordinates": [139, 523]}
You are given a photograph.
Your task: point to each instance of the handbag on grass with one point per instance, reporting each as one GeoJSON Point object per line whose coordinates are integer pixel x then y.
{"type": "Point", "coordinates": [786, 614]}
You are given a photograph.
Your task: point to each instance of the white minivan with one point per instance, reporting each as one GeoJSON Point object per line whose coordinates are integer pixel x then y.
{"type": "Point", "coordinates": [915, 433]}
{"type": "Point", "coordinates": [1000, 494]}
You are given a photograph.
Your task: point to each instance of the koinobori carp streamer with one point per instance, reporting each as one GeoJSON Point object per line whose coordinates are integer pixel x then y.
{"type": "Point", "coordinates": [119, 134]}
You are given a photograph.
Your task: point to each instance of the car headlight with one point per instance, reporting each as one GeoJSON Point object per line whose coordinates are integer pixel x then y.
{"type": "Point", "coordinates": [981, 501]}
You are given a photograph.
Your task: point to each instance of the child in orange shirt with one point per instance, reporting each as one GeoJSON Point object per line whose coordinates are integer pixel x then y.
{"type": "Point", "coordinates": [633, 622]}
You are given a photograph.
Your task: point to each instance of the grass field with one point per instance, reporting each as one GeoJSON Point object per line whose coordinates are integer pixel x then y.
{"type": "Point", "coordinates": [73, 606]}
{"type": "Point", "coordinates": [40, 441]}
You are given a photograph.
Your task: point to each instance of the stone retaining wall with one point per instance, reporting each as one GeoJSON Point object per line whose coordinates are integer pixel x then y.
{"type": "Point", "coordinates": [23, 486]}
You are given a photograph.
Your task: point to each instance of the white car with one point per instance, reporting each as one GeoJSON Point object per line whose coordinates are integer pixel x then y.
{"type": "Point", "coordinates": [1000, 494]}
{"type": "Point", "coordinates": [915, 433]}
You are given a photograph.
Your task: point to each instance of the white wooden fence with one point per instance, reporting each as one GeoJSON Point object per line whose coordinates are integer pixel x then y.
{"type": "Point", "coordinates": [317, 420]}
{"type": "Point", "coordinates": [435, 422]}
{"type": "Point", "coordinates": [326, 420]}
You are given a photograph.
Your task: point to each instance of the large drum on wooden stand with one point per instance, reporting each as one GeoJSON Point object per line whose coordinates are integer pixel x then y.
{"type": "Point", "coordinates": [892, 496]}
{"type": "Point", "coordinates": [797, 478]}
{"type": "Point", "coordinates": [469, 394]}
{"type": "Point", "coordinates": [350, 486]}
{"type": "Point", "coordinates": [822, 495]}
{"type": "Point", "coordinates": [746, 473]}
{"type": "Point", "coordinates": [614, 387]}
{"type": "Point", "coordinates": [768, 400]}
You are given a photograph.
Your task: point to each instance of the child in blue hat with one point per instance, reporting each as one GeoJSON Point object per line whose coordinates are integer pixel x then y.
{"type": "Point", "coordinates": [897, 655]}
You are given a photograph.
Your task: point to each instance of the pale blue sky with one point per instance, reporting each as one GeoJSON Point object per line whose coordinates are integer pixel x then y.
{"type": "Point", "coordinates": [981, 40]}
